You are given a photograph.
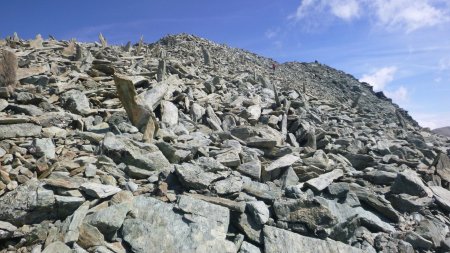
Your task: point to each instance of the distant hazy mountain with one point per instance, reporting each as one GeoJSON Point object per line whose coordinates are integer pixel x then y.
{"type": "Point", "coordinates": [443, 131]}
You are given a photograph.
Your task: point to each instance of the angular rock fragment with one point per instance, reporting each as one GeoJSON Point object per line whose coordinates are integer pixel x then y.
{"type": "Point", "coordinates": [409, 182]}
{"type": "Point", "coordinates": [323, 181]}
{"type": "Point", "coordinates": [282, 162]}
{"type": "Point", "coordinates": [169, 113]}
{"type": "Point", "coordinates": [8, 72]}
{"type": "Point", "coordinates": [140, 114]}
{"type": "Point", "coordinates": [99, 190]}
{"type": "Point", "coordinates": [19, 130]}
{"type": "Point", "coordinates": [76, 102]}
{"type": "Point", "coordinates": [162, 229]}
{"type": "Point", "coordinates": [44, 147]}
{"type": "Point", "coordinates": [442, 197]}
{"type": "Point", "coordinates": [142, 155]}
{"type": "Point", "coordinates": [279, 240]}
{"type": "Point", "coordinates": [194, 177]}
{"type": "Point", "coordinates": [251, 169]}
{"type": "Point", "coordinates": [57, 246]}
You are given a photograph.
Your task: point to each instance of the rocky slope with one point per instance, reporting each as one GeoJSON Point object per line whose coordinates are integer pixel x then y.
{"type": "Point", "coordinates": [445, 131]}
{"type": "Point", "coordinates": [185, 145]}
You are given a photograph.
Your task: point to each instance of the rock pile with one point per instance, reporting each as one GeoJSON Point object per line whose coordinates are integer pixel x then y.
{"type": "Point", "coordinates": [185, 145]}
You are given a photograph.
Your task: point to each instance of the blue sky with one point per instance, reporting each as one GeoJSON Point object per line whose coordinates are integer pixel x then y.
{"type": "Point", "coordinates": [401, 47]}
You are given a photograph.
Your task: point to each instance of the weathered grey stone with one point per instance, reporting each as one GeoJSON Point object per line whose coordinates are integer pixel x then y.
{"type": "Point", "coordinates": [282, 162]}
{"type": "Point", "coordinates": [442, 197]}
{"type": "Point", "coordinates": [433, 230]}
{"type": "Point", "coordinates": [110, 219]}
{"type": "Point", "coordinates": [251, 169]}
{"type": "Point", "coordinates": [289, 178]}
{"type": "Point", "coordinates": [57, 247]}
{"type": "Point", "coordinates": [99, 190]}
{"type": "Point", "coordinates": [249, 248]}
{"type": "Point", "coordinates": [90, 236]}
{"type": "Point", "coordinates": [410, 183]}
{"type": "Point", "coordinates": [407, 203]}
{"type": "Point", "coordinates": [19, 130]}
{"type": "Point", "coordinates": [3, 104]}
{"type": "Point", "coordinates": [259, 211]}
{"type": "Point", "coordinates": [201, 227]}
{"type": "Point", "coordinates": [442, 164]}
{"type": "Point", "coordinates": [279, 240]}
{"type": "Point", "coordinates": [140, 107]}
{"type": "Point", "coordinates": [380, 177]}
{"type": "Point", "coordinates": [360, 161]}
{"type": "Point", "coordinates": [169, 113]}
{"type": "Point", "coordinates": [417, 241]}
{"type": "Point", "coordinates": [74, 222]}
{"type": "Point", "coordinates": [344, 212]}
{"type": "Point", "coordinates": [309, 212]}
{"type": "Point", "coordinates": [259, 142]}
{"type": "Point", "coordinates": [319, 159]}
{"type": "Point", "coordinates": [142, 155]}
{"type": "Point", "coordinates": [31, 110]}
{"type": "Point", "coordinates": [45, 147]}
{"type": "Point", "coordinates": [229, 159]}
{"type": "Point", "coordinates": [247, 224]}
{"type": "Point", "coordinates": [229, 185]}
{"type": "Point", "coordinates": [263, 191]}
{"type": "Point", "coordinates": [324, 180]}
{"type": "Point", "coordinates": [7, 230]}
{"type": "Point", "coordinates": [29, 203]}
{"type": "Point", "coordinates": [195, 177]}
{"type": "Point", "coordinates": [76, 102]}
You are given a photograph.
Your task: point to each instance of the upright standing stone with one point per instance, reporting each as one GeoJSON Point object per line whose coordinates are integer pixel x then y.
{"type": "Point", "coordinates": [8, 72]}
{"type": "Point", "coordinates": [206, 56]}
{"type": "Point", "coordinates": [161, 70]}
{"type": "Point", "coordinates": [140, 115]}
{"type": "Point", "coordinates": [102, 40]}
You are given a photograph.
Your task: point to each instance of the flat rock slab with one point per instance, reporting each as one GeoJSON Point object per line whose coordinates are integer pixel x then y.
{"type": "Point", "coordinates": [410, 183]}
{"type": "Point", "coordinates": [19, 130]}
{"type": "Point", "coordinates": [282, 162]}
{"type": "Point", "coordinates": [442, 196]}
{"type": "Point", "coordinates": [278, 240]}
{"type": "Point", "coordinates": [99, 190]}
{"type": "Point", "coordinates": [196, 226]}
{"type": "Point", "coordinates": [323, 181]}
{"type": "Point", "coordinates": [57, 247]}
{"type": "Point", "coordinates": [142, 155]}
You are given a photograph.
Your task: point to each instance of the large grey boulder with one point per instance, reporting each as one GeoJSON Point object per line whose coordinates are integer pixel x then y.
{"type": "Point", "coordinates": [29, 203]}
{"type": "Point", "coordinates": [76, 102]}
{"type": "Point", "coordinates": [44, 146]}
{"type": "Point", "coordinates": [110, 219]}
{"type": "Point", "coordinates": [410, 183]}
{"type": "Point", "coordinates": [99, 190]}
{"type": "Point", "coordinates": [142, 155]}
{"type": "Point", "coordinates": [190, 226]}
{"type": "Point", "coordinates": [324, 180]}
{"type": "Point", "coordinates": [196, 177]}
{"type": "Point", "coordinates": [278, 240]}
{"type": "Point", "coordinates": [19, 130]}
{"type": "Point", "coordinates": [57, 247]}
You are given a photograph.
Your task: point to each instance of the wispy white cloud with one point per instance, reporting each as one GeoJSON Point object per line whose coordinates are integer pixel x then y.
{"type": "Point", "coordinates": [391, 15]}
{"type": "Point", "coordinates": [398, 95]}
{"type": "Point", "coordinates": [444, 63]}
{"type": "Point", "coordinates": [272, 33]}
{"type": "Point", "coordinates": [380, 77]}
{"type": "Point", "coordinates": [343, 9]}
{"type": "Point", "coordinates": [408, 15]}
